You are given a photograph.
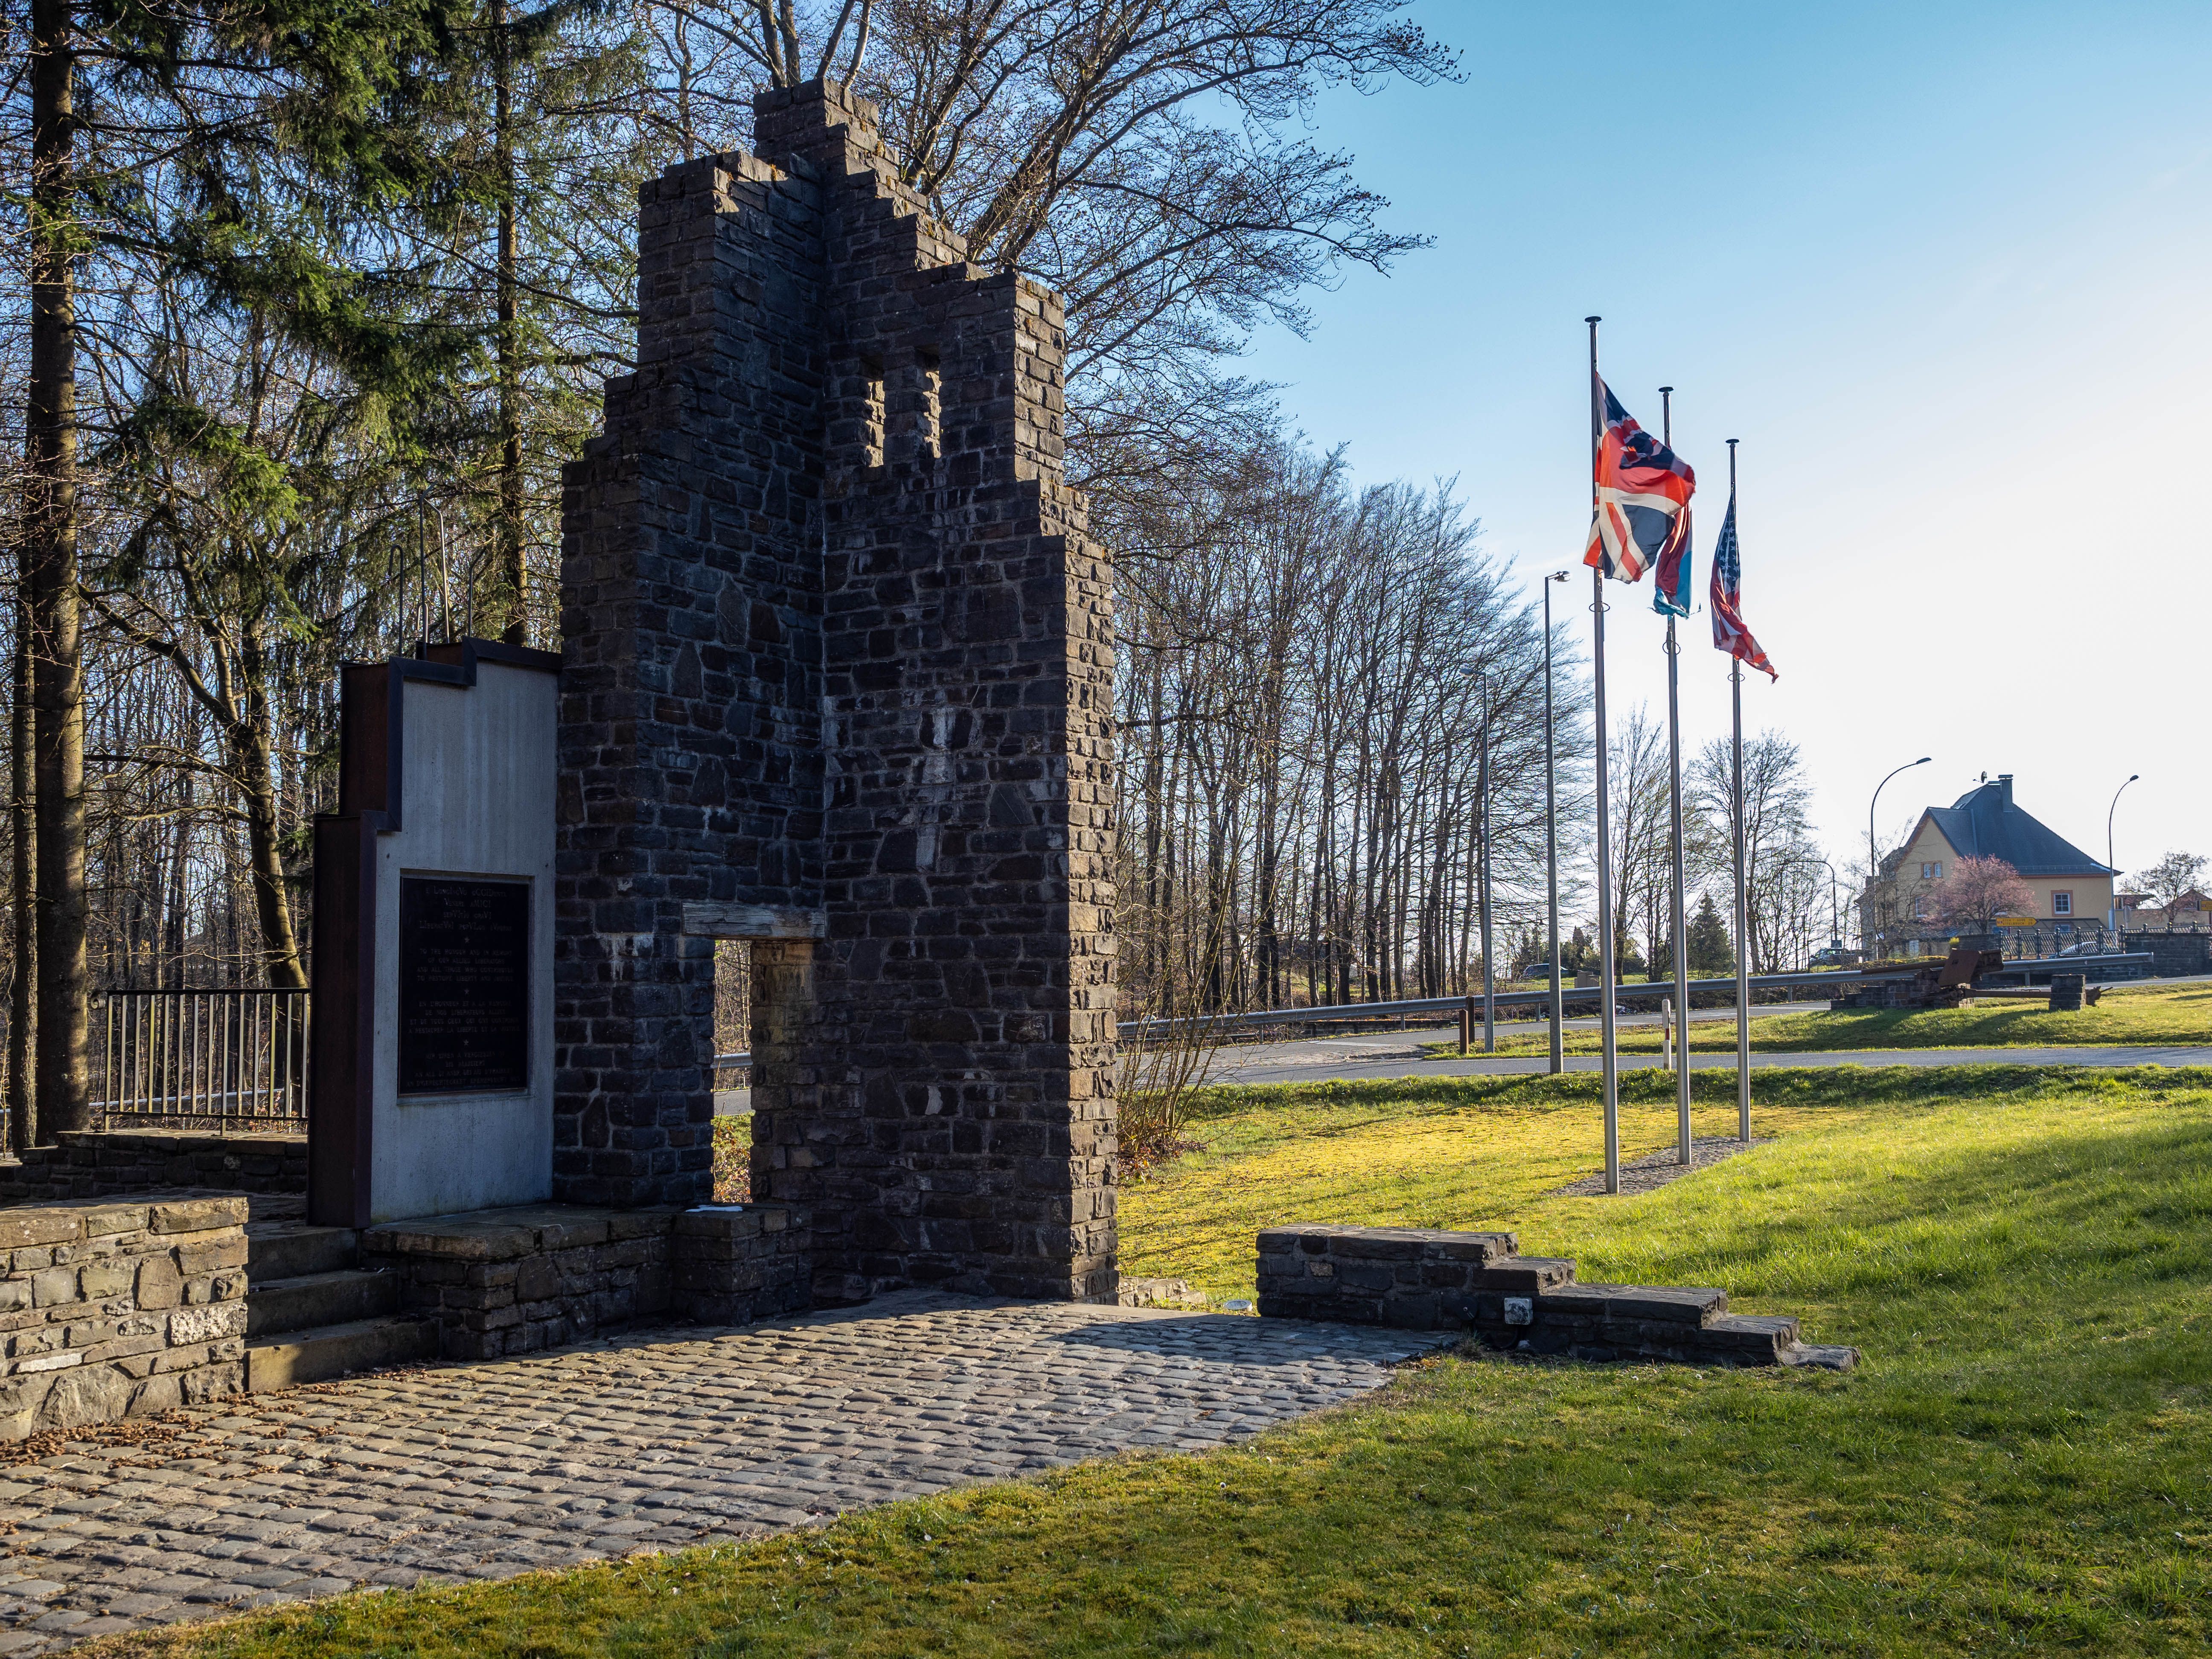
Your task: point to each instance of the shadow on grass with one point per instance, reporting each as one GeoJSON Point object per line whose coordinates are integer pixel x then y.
{"type": "Point", "coordinates": [1244, 1341]}
{"type": "Point", "coordinates": [1809, 1085]}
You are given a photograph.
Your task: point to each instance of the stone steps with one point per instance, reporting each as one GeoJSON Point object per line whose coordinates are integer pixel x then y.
{"type": "Point", "coordinates": [313, 1312]}
{"type": "Point", "coordinates": [279, 1305]}
{"type": "Point", "coordinates": [1420, 1279]}
{"type": "Point", "coordinates": [291, 1249]}
{"type": "Point", "coordinates": [297, 1357]}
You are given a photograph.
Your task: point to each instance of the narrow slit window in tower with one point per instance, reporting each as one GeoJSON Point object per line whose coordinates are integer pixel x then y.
{"type": "Point", "coordinates": [731, 1065]}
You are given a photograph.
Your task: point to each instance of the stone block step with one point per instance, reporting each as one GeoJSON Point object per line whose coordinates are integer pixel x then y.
{"type": "Point", "coordinates": [1424, 1280]}
{"type": "Point", "coordinates": [313, 1300]}
{"type": "Point", "coordinates": [1748, 1339]}
{"type": "Point", "coordinates": [293, 1249]}
{"type": "Point", "coordinates": [1820, 1356]}
{"type": "Point", "coordinates": [1159, 1293]}
{"type": "Point", "coordinates": [1527, 1275]}
{"type": "Point", "coordinates": [1690, 1305]}
{"type": "Point", "coordinates": [365, 1345]}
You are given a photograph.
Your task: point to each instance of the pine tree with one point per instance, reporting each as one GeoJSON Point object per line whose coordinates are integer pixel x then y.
{"type": "Point", "coordinates": [1577, 955]}
{"type": "Point", "coordinates": [1710, 949]}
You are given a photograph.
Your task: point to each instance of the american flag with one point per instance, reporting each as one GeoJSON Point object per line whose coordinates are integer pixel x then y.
{"type": "Point", "coordinates": [1643, 496]}
{"type": "Point", "coordinates": [1729, 634]}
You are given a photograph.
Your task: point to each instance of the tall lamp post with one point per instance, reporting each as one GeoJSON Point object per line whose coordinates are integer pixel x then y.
{"type": "Point", "coordinates": [1552, 833]}
{"type": "Point", "coordinates": [1482, 862]}
{"type": "Point", "coordinates": [2112, 910]}
{"type": "Point", "coordinates": [1873, 853]}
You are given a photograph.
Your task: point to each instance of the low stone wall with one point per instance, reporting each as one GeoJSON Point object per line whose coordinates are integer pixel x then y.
{"type": "Point", "coordinates": [93, 1163]}
{"type": "Point", "coordinates": [513, 1281]}
{"type": "Point", "coordinates": [2174, 953]}
{"type": "Point", "coordinates": [735, 1263]}
{"type": "Point", "coordinates": [112, 1309]}
{"type": "Point", "coordinates": [1416, 1279]}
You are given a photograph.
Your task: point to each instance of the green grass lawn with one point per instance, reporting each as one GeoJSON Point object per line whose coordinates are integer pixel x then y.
{"type": "Point", "coordinates": [2024, 1462]}
{"type": "Point", "coordinates": [2155, 1014]}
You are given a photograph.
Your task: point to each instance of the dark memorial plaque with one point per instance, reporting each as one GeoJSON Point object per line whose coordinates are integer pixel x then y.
{"type": "Point", "coordinates": [464, 986]}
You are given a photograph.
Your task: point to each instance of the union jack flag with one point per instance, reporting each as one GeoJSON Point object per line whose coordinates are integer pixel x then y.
{"type": "Point", "coordinates": [1643, 491]}
{"type": "Point", "coordinates": [1726, 598]}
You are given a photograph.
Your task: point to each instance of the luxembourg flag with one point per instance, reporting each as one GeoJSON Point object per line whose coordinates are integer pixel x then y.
{"type": "Point", "coordinates": [1726, 600]}
{"type": "Point", "coordinates": [1670, 582]}
{"type": "Point", "coordinates": [1643, 491]}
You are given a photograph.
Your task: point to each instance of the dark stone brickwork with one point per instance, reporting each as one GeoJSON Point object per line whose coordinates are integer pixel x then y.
{"type": "Point", "coordinates": [88, 1163]}
{"type": "Point", "coordinates": [834, 639]}
{"type": "Point", "coordinates": [523, 1280]}
{"type": "Point", "coordinates": [2171, 952]}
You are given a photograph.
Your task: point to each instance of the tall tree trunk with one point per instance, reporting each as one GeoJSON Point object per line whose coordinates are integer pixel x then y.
{"type": "Point", "coordinates": [514, 577]}
{"type": "Point", "coordinates": [252, 763]}
{"type": "Point", "coordinates": [51, 555]}
{"type": "Point", "coordinates": [179, 929]}
{"type": "Point", "coordinates": [22, 995]}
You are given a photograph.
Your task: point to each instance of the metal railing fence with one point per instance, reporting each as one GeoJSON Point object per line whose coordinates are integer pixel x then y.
{"type": "Point", "coordinates": [201, 1057]}
{"type": "Point", "coordinates": [1584, 998]}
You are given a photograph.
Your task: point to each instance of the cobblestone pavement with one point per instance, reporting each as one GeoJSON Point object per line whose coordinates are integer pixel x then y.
{"type": "Point", "coordinates": [657, 1439]}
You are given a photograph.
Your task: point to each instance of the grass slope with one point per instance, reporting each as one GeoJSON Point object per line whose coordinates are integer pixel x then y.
{"type": "Point", "coordinates": [2022, 1464]}
{"type": "Point", "coordinates": [2155, 1014]}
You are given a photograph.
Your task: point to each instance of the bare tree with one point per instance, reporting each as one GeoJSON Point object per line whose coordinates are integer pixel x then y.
{"type": "Point", "coordinates": [1302, 701]}
{"type": "Point", "coordinates": [2175, 874]}
{"type": "Point", "coordinates": [294, 364]}
{"type": "Point", "coordinates": [1780, 855]}
{"type": "Point", "coordinates": [1643, 836]}
{"type": "Point", "coordinates": [1976, 892]}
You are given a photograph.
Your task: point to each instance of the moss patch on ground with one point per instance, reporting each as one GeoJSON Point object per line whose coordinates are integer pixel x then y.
{"type": "Point", "coordinates": [2025, 1461]}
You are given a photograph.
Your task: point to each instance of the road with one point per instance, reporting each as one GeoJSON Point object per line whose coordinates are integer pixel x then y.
{"type": "Point", "coordinates": [1397, 1053]}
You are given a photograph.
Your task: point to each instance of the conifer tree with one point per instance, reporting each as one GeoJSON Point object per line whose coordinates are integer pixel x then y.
{"type": "Point", "coordinates": [221, 146]}
{"type": "Point", "coordinates": [1710, 950]}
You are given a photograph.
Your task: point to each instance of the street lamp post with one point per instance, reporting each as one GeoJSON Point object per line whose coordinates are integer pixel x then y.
{"type": "Point", "coordinates": [1873, 853]}
{"type": "Point", "coordinates": [1552, 835]}
{"type": "Point", "coordinates": [2112, 910]}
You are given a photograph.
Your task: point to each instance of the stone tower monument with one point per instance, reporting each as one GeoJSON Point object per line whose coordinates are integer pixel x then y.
{"type": "Point", "coordinates": [837, 676]}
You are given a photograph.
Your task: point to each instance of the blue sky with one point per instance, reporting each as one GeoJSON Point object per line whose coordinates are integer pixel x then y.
{"type": "Point", "coordinates": [1943, 269]}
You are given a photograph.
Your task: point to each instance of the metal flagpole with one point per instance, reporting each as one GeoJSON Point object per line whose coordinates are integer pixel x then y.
{"type": "Point", "coordinates": [1482, 822]}
{"type": "Point", "coordinates": [1681, 926]}
{"type": "Point", "coordinates": [1610, 1059]}
{"type": "Point", "coordinates": [1552, 835]}
{"type": "Point", "coordinates": [1742, 919]}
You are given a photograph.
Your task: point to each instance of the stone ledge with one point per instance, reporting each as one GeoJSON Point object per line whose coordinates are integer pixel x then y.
{"type": "Point", "coordinates": [68, 1221]}
{"type": "Point", "coordinates": [112, 1309]}
{"type": "Point", "coordinates": [517, 1279]}
{"type": "Point", "coordinates": [1421, 1279]}
{"type": "Point", "coordinates": [97, 1163]}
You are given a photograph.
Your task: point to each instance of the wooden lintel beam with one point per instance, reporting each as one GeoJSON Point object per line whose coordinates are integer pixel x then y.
{"type": "Point", "coordinates": [710, 920]}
